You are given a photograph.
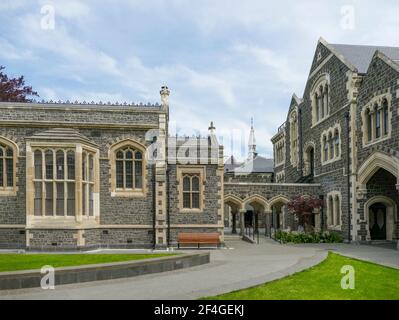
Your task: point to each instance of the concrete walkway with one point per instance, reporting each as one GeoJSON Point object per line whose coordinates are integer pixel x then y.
{"type": "Point", "coordinates": [376, 254]}
{"type": "Point", "coordinates": [240, 266]}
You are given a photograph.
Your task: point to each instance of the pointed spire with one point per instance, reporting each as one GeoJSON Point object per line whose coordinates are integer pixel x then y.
{"type": "Point", "coordinates": [252, 142]}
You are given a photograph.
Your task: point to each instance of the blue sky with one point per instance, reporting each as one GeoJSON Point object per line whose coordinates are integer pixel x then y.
{"type": "Point", "coordinates": [224, 60]}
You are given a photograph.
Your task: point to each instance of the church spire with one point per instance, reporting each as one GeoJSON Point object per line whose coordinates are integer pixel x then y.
{"type": "Point", "coordinates": [252, 142]}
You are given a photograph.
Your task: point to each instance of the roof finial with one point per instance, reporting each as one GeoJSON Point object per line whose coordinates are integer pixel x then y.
{"type": "Point", "coordinates": [165, 92]}
{"type": "Point", "coordinates": [252, 143]}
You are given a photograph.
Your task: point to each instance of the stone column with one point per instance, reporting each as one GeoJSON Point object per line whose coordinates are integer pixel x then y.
{"type": "Point", "coordinates": [242, 222]}
{"type": "Point", "coordinates": [160, 185]}
{"type": "Point", "coordinates": [234, 222]}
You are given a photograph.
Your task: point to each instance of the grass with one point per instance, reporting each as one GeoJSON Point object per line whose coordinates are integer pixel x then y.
{"type": "Point", "coordinates": [323, 282]}
{"type": "Point", "coordinates": [15, 262]}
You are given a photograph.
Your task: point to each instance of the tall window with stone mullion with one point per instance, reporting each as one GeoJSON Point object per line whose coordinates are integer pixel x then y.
{"type": "Point", "coordinates": [54, 183]}
{"type": "Point", "coordinates": [129, 169]}
{"type": "Point", "coordinates": [88, 184]}
{"type": "Point", "coordinates": [6, 167]}
{"type": "Point", "coordinates": [191, 192]}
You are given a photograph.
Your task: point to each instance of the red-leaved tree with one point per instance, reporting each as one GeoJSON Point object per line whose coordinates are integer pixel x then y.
{"type": "Point", "coordinates": [303, 207]}
{"type": "Point", "coordinates": [14, 89]}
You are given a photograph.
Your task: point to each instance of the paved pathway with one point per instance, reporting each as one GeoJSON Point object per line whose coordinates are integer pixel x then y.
{"type": "Point", "coordinates": [376, 254]}
{"type": "Point", "coordinates": [240, 266]}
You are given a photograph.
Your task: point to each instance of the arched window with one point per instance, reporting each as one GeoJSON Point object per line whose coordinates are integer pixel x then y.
{"type": "Point", "coordinates": [321, 102]}
{"type": "Point", "coordinates": [129, 169]}
{"type": "Point", "coordinates": [378, 122]}
{"type": "Point", "coordinates": [337, 211]}
{"type": "Point", "coordinates": [386, 116]}
{"type": "Point", "coordinates": [326, 100]}
{"type": "Point", "coordinates": [325, 148]}
{"type": "Point", "coordinates": [336, 143]}
{"type": "Point", "coordinates": [331, 145]}
{"type": "Point", "coordinates": [330, 211]}
{"type": "Point", "coordinates": [294, 138]}
{"type": "Point", "coordinates": [7, 167]}
{"type": "Point", "coordinates": [369, 120]}
{"type": "Point", "coordinates": [319, 96]}
{"type": "Point", "coordinates": [317, 105]}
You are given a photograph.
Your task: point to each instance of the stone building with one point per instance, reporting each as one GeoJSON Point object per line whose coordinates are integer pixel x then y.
{"type": "Point", "coordinates": [80, 176]}
{"type": "Point", "coordinates": [343, 135]}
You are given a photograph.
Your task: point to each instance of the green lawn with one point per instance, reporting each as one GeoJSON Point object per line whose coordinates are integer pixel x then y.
{"type": "Point", "coordinates": [323, 282]}
{"type": "Point", "coordinates": [14, 262]}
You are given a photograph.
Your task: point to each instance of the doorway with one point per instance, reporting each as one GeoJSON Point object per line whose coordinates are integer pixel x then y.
{"type": "Point", "coordinates": [378, 221]}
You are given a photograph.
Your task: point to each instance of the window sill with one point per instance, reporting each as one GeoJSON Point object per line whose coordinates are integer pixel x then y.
{"type": "Point", "coordinates": [375, 141]}
{"type": "Point", "coordinates": [334, 228]}
{"type": "Point", "coordinates": [324, 163]}
{"type": "Point", "coordinates": [128, 194]}
{"type": "Point", "coordinates": [8, 193]}
{"type": "Point", "coordinates": [319, 122]}
{"type": "Point", "coordinates": [191, 211]}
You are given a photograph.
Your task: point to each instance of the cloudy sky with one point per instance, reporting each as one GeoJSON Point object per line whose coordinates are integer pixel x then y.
{"type": "Point", "coordinates": [224, 60]}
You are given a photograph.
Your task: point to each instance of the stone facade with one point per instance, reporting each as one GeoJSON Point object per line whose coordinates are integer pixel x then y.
{"type": "Point", "coordinates": [361, 174]}
{"type": "Point", "coordinates": [146, 218]}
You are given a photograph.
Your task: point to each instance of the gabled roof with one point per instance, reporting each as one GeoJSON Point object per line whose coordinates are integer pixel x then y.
{"type": "Point", "coordinates": [257, 165]}
{"type": "Point", "coordinates": [360, 56]}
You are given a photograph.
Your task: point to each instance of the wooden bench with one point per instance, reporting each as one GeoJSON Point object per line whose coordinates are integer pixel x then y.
{"type": "Point", "coordinates": [198, 239]}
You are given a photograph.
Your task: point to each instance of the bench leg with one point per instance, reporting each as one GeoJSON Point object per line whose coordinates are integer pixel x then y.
{"type": "Point", "coordinates": [198, 245]}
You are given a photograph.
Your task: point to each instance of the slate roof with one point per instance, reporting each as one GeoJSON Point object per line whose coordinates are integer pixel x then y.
{"type": "Point", "coordinates": [231, 163]}
{"type": "Point", "coordinates": [361, 56]}
{"type": "Point", "coordinates": [257, 165]}
{"type": "Point", "coordinates": [61, 134]}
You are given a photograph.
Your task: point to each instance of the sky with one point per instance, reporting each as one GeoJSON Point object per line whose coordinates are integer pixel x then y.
{"type": "Point", "coordinates": [224, 61]}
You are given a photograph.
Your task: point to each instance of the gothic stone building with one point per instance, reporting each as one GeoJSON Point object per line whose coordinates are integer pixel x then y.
{"type": "Point", "coordinates": [343, 135]}
{"type": "Point", "coordinates": [79, 176]}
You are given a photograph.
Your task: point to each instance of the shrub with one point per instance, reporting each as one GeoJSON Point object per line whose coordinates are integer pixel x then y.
{"type": "Point", "coordinates": [300, 237]}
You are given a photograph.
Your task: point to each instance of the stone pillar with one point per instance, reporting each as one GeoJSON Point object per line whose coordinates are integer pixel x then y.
{"type": "Point", "coordinates": [268, 215]}
{"type": "Point", "coordinates": [160, 186]}
{"type": "Point", "coordinates": [242, 222]}
{"type": "Point", "coordinates": [234, 222]}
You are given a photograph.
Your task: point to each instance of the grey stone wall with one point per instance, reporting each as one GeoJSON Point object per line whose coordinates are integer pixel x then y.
{"type": "Point", "coordinates": [211, 195]}
{"type": "Point", "coordinates": [12, 238]}
{"type": "Point", "coordinates": [251, 177]}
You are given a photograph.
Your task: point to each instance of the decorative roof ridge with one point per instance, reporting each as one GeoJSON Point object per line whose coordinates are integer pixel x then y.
{"type": "Point", "coordinates": [98, 103]}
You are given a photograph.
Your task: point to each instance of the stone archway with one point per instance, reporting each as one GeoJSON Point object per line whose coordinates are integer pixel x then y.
{"type": "Point", "coordinates": [375, 162]}
{"type": "Point", "coordinates": [378, 197]}
{"type": "Point", "coordinates": [259, 206]}
{"type": "Point", "coordinates": [235, 207]}
{"type": "Point", "coordinates": [279, 215]}
{"type": "Point", "coordinates": [380, 213]}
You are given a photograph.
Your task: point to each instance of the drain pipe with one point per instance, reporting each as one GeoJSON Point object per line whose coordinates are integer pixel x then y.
{"type": "Point", "coordinates": [347, 117]}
